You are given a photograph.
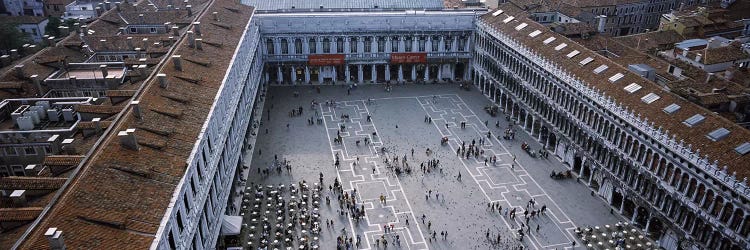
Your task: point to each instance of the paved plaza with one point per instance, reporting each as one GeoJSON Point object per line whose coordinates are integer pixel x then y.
{"type": "Point", "coordinates": [385, 142]}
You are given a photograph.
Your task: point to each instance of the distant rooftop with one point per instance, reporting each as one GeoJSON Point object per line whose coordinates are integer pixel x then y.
{"type": "Point", "coordinates": [347, 4]}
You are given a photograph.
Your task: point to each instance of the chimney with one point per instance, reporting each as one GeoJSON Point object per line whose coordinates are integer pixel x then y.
{"type": "Point", "coordinates": [137, 109]}
{"type": "Point", "coordinates": [97, 124]}
{"type": "Point", "coordinates": [18, 197]}
{"type": "Point", "coordinates": [216, 16]}
{"type": "Point", "coordinates": [189, 9]}
{"type": "Point", "coordinates": [142, 70]}
{"type": "Point", "coordinates": [728, 74]}
{"type": "Point", "coordinates": [162, 80]}
{"type": "Point", "coordinates": [111, 81]}
{"type": "Point", "coordinates": [117, 6]}
{"type": "Point", "coordinates": [52, 140]}
{"type": "Point", "coordinates": [19, 71]}
{"type": "Point", "coordinates": [55, 238]}
{"type": "Point", "coordinates": [698, 58]}
{"type": "Point", "coordinates": [145, 44]}
{"type": "Point", "coordinates": [128, 139]}
{"type": "Point", "coordinates": [73, 80]}
{"type": "Point", "coordinates": [51, 41]}
{"type": "Point", "coordinates": [199, 44]}
{"type": "Point", "coordinates": [685, 52]}
{"type": "Point", "coordinates": [64, 30]}
{"type": "Point", "coordinates": [129, 42]}
{"type": "Point", "coordinates": [197, 28]}
{"type": "Point", "coordinates": [167, 26]}
{"type": "Point", "coordinates": [191, 39]}
{"type": "Point", "coordinates": [708, 77]}
{"type": "Point", "coordinates": [103, 69]}
{"type": "Point", "coordinates": [682, 5]}
{"type": "Point", "coordinates": [84, 29]}
{"type": "Point", "coordinates": [37, 83]}
{"type": "Point", "coordinates": [107, 5]}
{"type": "Point", "coordinates": [175, 30]}
{"type": "Point", "coordinates": [141, 19]}
{"type": "Point", "coordinates": [177, 61]}
{"type": "Point", "coordinates": [4, 60]}
{"type": "Point", "coordinates": [67, 147]}
{"type": "Point", "coordinates": [14, 53]}
{"type": "Point", "coordinates": [138, 53]}
{"type": "Point", "coordinates": [104, 44]}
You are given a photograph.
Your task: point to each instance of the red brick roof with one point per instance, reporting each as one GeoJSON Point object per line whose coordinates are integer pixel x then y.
{"type": "Point", "coordinates": [19, 214]}
{"type": "Point", "coordinates": [31, 183]}
{"type": "Point", "coordinates": [119, 197]}
{"type": "Point", "coordinates": [722, 150]}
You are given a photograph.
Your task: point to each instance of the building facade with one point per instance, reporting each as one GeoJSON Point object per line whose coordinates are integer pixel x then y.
{"type": "Point", "coordinates": [674, 195]}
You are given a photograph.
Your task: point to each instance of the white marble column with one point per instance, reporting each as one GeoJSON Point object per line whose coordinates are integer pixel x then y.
{"type": "Point", "coordinates": [334, 74]}
{"type": "Point", "coordinates": [388, 44]}
{"type": "Point", "coordinates": [401, 44]}
{"type": "Point", "coordinates": [306, 45]}
{"type": "Point", "coordinates": [294, 76]}
{"type": "Point", "coordinates": [347, 74]}
{"type": "Point", "coordinates": [360, 76]}
{"type": "Point", "coordinates": [320, 75]}
{"type": "Point", "coordinates": [280, 75]}
{"type": "Point", "coordinates": [374, 73]}
{"type": "Point", "coordinates": [307, 74]}
{"type": "Point", "coordinates": [440, 71]}
{"type": "Point", "coordinates": [441, 44]}
{"type": "Point", "coordinates": [413, 72]}
{"type": "Point", "coordinates": [428, 44]}
{"type": "Point", "coordinates": [426, 72]}
{"type": "Point", "coordinates": [400, 73]}
{"type": "Point", "coordinates": [387, 72]}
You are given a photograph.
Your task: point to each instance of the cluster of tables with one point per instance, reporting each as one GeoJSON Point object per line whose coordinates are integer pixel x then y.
{"type": "Point", "coordinates": [282, 217]}
{"type": "Point", "coordinates": [622, 235]}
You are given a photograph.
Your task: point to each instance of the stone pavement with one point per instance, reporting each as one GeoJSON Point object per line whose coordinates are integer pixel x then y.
{"type": "Point", "coordinates": [397, 120]}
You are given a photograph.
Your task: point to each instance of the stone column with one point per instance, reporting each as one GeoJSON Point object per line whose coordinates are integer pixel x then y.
{"type": "Point", "coordinates": [347, 73]}
{"type": "Point", "coordinates": [413, 72]}
{"type": "Point", "coordinates": [305, 45]}
{"type": "Point", "coordinates": [622, 203]}
{"type": "Point", "coordinates": [441, 44]}
{"type": "Point", "coordinates": [334, 74]}
{"type": "Point", "coordinates": [440, 72]}
{"type": "Point", "coordinates": [742, 224]}
{"type": "Point", "coordinates": [648, 225]}
{"type": "Point", "coordinates": [280, 75]}
{"type": "Point", "coordinates": [294, 75]}
{"type": "Point", "coordinates": [426, 73]}
{"type": "Point", "coordinates": [374, 71]}
{"type": "Point", "coordinates": [401, 44]}
{"type": "Point", "coordinates": [347, 49]}
{"type": "Point", "coordinates": [307, 74]}
{"type": "Point", "coordinates": [277, 46]}
{"type": "Point", "coordinates": [320, 75]}
{"type": "Point", "coordinates": [635, 215]}
{"type": "Point", "coordinates": [400, 73]}
{"type": "Point", "coordinates": [388, 44]}
{"type": "Point", "coordinates": [428, 44]}
{"type": "Point", "coordinates": [387, 72]}
{"type": "Point", "coordinates": [360, 76]}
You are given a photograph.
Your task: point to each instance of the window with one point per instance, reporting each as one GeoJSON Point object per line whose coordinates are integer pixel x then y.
{"type": "Point", "coordinates": [187, 204]}
{"type": "Point", "coordinates": [152, 30]}
{"type": "Point", "coordinates": [422, 42]}
{"type": "Point", "coordinates": [448, 43]}
{"type": "Point", "coordinates": [312, 46]}
{"type": "Point", "coordinates": [461, 43]}
{"type": "Point", "coordinates": [743, 148]}
{"type": "Point", "coordinates": [353, 45]}
{"type": "Point", "coordinates": [179, 221]}
{"type": "Point", "coordinates": [10, 151]}
{"type": "Point", "coordinates": [381, 44]}
{"type": "Point", "coordinates": [192, 185]}
{"type": "Point", "coordinates": [269, 46]}
{"type": "Point", "coordinates": [600, 69]}
{"type": "Point", "coordinates": [407, 44]}
{"type": "Point", "coordinates": [284, 46]}
{"type": "Point", "coordinates": [435, 43]}
{"type": "Point", "coordinates": [368, 44]}
{"type": "Point", "coordinates": [672, 108]}
{"type": "Point", "coordinates": [18, 170]}
{"type": "Point", "coordinates": [298, 46]}
{"type": "Point", "coordinates": [650, 98]}
{"type": "Point", "coordinates": [718, 134]}
{"type": "Point", "coordinates": [172, 242]}
{"type": "Point", "coordinates": [29, 151]}
{"type": "Point", "coordinates": [694, 120]}
{"type": "Point", "coordinates": [326, 45]}
{"type": "Point", "coordinates": [340, 45]}
{"type": "Point", "coordinates": [632, 88]}
{"type": "Point", "coordinates": [616, 77]}
{"type": "Point", "coordinates": [133, 30]}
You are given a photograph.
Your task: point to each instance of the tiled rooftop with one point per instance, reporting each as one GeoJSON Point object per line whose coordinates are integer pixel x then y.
{"type": "Point", "coordinates": [721, 150]}
{"type": "Point", "coordinates": [119, 197]}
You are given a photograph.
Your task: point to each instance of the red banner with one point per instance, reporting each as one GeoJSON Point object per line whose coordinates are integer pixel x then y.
{"type": "Point", "coordinates": [408, 57]}
{"type": "Point", "coordinates": [325, 59]}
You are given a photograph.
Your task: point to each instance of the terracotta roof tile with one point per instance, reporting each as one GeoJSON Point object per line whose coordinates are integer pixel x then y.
{"type": "Point", "coordinates": [120, 195]}
{"type": "Point", "coordinates": [722, 151]}
{"type": "Point", "coordinates": [98, 109]}
{"type": "Point", "coordinates": [31, 183]}
{"type": "Point", "coordinates": [19, 214]}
